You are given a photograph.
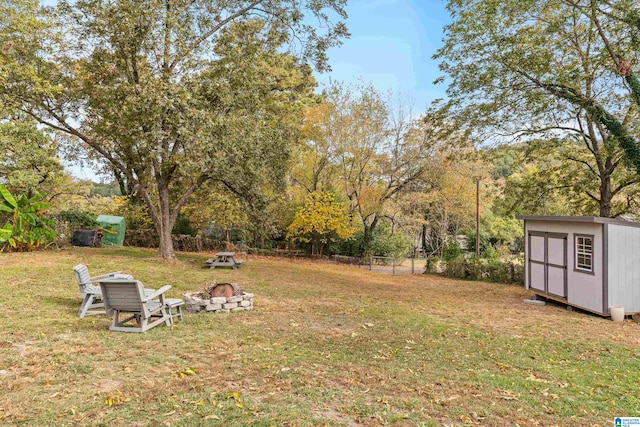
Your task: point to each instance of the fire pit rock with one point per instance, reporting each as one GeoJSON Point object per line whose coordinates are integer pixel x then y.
{"type": "Point", "coordinates": [219, 298]}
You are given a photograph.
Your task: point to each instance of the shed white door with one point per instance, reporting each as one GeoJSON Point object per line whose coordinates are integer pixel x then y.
{"type": "Point", "coordinates": [548, 263]}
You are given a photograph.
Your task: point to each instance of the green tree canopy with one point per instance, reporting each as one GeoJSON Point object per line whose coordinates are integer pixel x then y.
{"type": "Point", "coordinates": [31, 156]}
{"type": "Point", "coordinates": [518, 67]}
{"type": "Point", "coordinates": [173, 93]}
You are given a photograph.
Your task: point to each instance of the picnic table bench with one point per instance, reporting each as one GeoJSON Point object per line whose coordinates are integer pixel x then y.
{"type": "Point", "coordinates": [224, 259]}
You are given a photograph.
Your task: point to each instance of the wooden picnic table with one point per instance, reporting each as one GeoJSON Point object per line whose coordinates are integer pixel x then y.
{"type": "Point", "coordinates": [224, 259]}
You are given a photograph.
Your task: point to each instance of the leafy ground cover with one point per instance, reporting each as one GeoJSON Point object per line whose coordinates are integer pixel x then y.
{"type": "Point", "coordinates": [325, 345]}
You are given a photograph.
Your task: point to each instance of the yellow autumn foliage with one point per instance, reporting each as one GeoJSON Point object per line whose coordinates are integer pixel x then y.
{"type": "Point", "coordinates": [322, 218]}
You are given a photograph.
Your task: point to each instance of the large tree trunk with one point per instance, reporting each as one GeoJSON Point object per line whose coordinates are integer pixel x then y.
{"type": "Point", "coordinates": [163, 217]}
{"type": "Point", "coordinates": [444, 226]}
{"type": "Point", "coordinates": [127, 187]}
{"type": "Point", "coordinates": [366, 241]}
{"type": "Point", "coordinates": [374, 223]}
{"type": "Point", "coordinates": [367, 235]}
{"type": "Point", "coordinates": [605, 165]}
{"type": "Point", "coordinates": [166, 242]}
{"type": "Point", "coordinates": [121, 182]}
{"type": "Point", "coordinates": [423, 236]}
{"type": "Point", "coordinates": [605, 196]}
{"type": "Point", "coordinates": [166, 221]}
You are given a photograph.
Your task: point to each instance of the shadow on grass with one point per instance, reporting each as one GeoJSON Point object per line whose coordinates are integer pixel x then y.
{"type": "Point", "coordinates": [72, 304]}
{"type": "Point", "coordinates": [562, 306]}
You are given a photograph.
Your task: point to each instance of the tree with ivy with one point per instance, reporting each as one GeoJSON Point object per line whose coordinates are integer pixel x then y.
{"type": "Point", "coordinates": [524, 67]}
{"type": "Point", "coordinates": [562, 177]}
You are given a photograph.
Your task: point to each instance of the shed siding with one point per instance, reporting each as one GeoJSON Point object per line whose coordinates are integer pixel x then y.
{"type": "Point", "coordinates": [584, 290]}
{"type": "Point", "coordinates": [526, 254]}
{"type": "Point", "coordinates": [624, 267]}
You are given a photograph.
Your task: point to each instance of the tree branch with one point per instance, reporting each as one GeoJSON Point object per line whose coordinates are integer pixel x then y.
{"type": "Point", "coordinates": [624, 185]}
{"type": "Point", "coordinates": [594, 198]}
{"type": "Point", "coordinates": [230, 187]}
{"type": "Point", "coordinates": [183, 199]}
{"type": "Point", "coordinates": [584, 162]}
{"type": "Point", "coordinates": [66, 128]}
{"type": "Point", "coordinates": [152, 210]}
{"type": "Point", "coordinates": [180, 56]}
{"type": "Point", "coordinates": [626, 141]}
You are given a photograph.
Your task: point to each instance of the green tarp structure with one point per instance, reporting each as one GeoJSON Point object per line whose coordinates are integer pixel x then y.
{"type": "Point", "coordinates": [113, 228]}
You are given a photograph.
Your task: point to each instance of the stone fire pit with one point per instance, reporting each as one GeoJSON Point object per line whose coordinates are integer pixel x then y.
{"type": "Point", "coordinates": [219, 298]}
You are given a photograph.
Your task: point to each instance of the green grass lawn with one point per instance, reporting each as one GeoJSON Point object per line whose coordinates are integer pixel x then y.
{"type": "Point", "coordinates": [325, 345]}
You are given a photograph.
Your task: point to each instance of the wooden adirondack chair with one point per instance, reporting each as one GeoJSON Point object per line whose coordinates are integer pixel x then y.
{"type": "Point", "coordinates": [127, 298]}
{"type": "Point", "coordinates": [90, 290]}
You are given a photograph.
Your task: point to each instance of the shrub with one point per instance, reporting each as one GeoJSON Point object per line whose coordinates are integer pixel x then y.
{"type": "Point", "coordinates": [77, 218]}
{"type": "Point", "coordinates": [385, 244]}
{"type": "Point", "coordinates": [451, 250]}
{"type": "Point", "coordinates": [434, 265]}
{"type": "Point", "coordinates": [490, 253]}
{"type": "Point", "coordinates": [26, 227]}
{"type": "Point", "coordinates": [484, 242]}
{"type": "Point", "coordinates": [491, 270]}
{"type": "Point", "coordinates": [183, 226]}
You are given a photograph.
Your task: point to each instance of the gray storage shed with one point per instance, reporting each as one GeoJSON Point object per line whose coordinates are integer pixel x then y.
{"type": "Point", "coordinates": [588, 262]}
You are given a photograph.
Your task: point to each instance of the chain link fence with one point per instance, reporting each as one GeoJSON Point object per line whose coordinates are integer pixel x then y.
{"type": "Point", "coordinates": [386, 265]}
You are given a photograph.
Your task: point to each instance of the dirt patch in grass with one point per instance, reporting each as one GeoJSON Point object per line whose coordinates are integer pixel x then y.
{"type": "Point", "coordinates": [107, 385]}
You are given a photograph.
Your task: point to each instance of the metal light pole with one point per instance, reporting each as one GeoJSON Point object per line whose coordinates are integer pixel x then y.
{"type": "Point", "coordinates": [477, 217]}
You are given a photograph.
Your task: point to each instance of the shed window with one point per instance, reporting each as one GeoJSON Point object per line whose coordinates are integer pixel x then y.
{"type": "Point", "coordinates": [584, 253]}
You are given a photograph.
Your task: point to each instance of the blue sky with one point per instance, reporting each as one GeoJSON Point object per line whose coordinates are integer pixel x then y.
{"type": "Point", "coordinates": [391, 45]}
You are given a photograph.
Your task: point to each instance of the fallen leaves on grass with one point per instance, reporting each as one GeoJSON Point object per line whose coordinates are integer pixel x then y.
{"type": "Point", "coordinates": [448, 400]}
{"type": "Point", "coordinates": [236, 397]}
{"type": "Point", "coordinates": [509, 395]}
{"type": "Point", "coordinates": [184, 372]}
{"type": "Point", "coordinates": [116, 399]}
{"type": "Point", "coordinates": [533, 378]}
{"type": "Point", "coordinates": [546, 393]}
{"type": "Point", "coordinates": [434, 338]}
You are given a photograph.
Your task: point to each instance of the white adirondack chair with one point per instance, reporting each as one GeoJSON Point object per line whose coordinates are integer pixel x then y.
{"type": "Point", "coordinates": [90, 290]}
{"type": "Point", "coordinates": [127, 298]}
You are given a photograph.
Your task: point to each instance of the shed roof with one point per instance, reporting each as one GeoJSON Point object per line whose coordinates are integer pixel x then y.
{"type": "Point", "coordinates": [591, 219]}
